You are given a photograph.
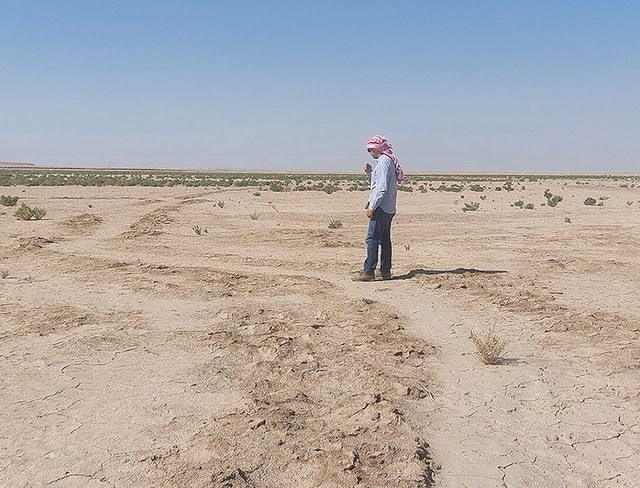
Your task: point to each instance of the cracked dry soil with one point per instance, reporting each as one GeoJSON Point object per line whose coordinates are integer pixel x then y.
{"type": "Point", "coordinates": [135, 353]}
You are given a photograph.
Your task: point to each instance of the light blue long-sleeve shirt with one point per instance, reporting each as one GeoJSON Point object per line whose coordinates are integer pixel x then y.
{"type": "Point", "coordinates": [384, 186]}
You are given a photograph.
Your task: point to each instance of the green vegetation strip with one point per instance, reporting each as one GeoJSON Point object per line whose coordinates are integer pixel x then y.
{"type": "Point", "coordinates": [280, 181]}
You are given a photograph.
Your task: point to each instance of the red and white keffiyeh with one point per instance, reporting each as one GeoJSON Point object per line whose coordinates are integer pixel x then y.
{"type": "Point", "coordinates": [380, 144]}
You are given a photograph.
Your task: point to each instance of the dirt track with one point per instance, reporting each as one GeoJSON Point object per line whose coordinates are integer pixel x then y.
{"type": "Point", "coordinates": [134, 352]}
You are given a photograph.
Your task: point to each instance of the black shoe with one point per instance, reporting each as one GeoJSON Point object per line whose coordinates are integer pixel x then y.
{"type": "Point", "coordinates": [386, 275]}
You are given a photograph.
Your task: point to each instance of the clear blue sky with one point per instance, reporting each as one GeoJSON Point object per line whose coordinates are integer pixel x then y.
{"type": "Point", "coordinates": [455, 85]}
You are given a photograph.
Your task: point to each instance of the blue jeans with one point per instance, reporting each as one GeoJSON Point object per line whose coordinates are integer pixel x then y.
{"type": "Point", "coordinates": [378, 238]}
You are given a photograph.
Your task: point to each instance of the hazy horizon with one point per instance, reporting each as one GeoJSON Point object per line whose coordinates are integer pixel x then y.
{"type": "Point", "coordinates": [520, 87]}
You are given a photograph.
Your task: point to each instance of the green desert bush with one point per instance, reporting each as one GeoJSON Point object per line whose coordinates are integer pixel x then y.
{"type": "Point", "coordinates": [199, 230]}
{"type": "Point", "coordinates": [471, 207]}
{"type": "Point", "coordinates": [518, 204]}
{"type": "Point", "coordinates": [529, 206]}
{"type": "Point", "coordinates": [38, 213]}
{"type": "Point", "coordinates": [589, 201]}
{"type": "Point", "coordinates": [454, 188]}
{"type": "Point", "coordinates": [8, 200]}
{"type": "Point", "coordinates": [335, 224]}
{"type": "Point", "coordinates": [25, 212]}
{"type": "Point", "coordinates": [552, 200]}
{"type": "Point", "coordinates": [489, 349]}
{"type": "Point", "coordinates": [330, 188]}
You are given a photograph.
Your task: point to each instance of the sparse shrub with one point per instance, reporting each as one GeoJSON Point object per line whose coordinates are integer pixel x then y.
{"type": "Point", "coordinates": [589, 201]}
{"type": "Point", "coordinates": [220, 204]}
{"type": "Point", "coordinates": [8, 200]}
{"type": "Point", "coordinates": [519, 204]}
{"type": "Point", "coordinates": [199, 230]}
{"type": "Point", "coordinates": [489, 349]}
{"type": "Point", "coordinates": [603, 198]}
{"type": "Point", "coordinates": [330, 188]}
{"type": "Point", "coordinates": [507, 186]}
{"type": "Point", "coordinates": [529, 206]}
{"type": "Point", "coordinates": [406, 188]}
{"type": "Point", "coordinates": [483, 197]}
{"type": "Point", "coordinates": [478, 188]}
{"type": "Point", "coordinates": [567, 220]}
{"type": "Point", "coordinates": [601, 204]}
{"type": "Point", "coordinates": [471, 207]}
{"type": "Point", "coordinates": [4, 273]}
{"type": "Point", "coordinates": [276, 186]}
{"type": "Point", "coordinates": [254, 215]}
{"type": "Point", "coordinates": [498, 188]}
{"type": "Point", "coordinates": [335, 224]}
{"type": "Point", "coordinates": [256, 193]}
{"type": "Point", "coordinates": [38, 213]}
{"type": "Point", "coordinates": [25, 212]}
{"type": "Point", "coordinates": [454, 188]}
{"type": "Point", "coordinates": [552, 200]}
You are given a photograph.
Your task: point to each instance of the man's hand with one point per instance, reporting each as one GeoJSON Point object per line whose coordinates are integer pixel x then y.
{"type": "Point", "coordinates": [367, 168]}
{"type": "Point", "coordinates": [369, 213]}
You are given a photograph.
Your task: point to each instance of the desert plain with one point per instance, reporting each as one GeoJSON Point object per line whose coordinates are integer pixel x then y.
{"type": "Point", "coordinates": [203, 336]}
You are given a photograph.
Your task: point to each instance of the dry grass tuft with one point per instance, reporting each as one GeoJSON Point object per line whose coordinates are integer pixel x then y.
{"type": "Point", "coordinates": [8, 200]}
{"type": "Point", "coordinates": [489, 349]}
{"type": "Point", "coordinates": [25, 212]}
{"type": "Point", "coordinates": [471, 207]}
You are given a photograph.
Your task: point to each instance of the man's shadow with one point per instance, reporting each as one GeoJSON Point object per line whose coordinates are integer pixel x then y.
{"type": "Point", "coordinates": [430, 272]}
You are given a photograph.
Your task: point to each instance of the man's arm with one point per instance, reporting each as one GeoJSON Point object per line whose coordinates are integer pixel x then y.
{"type": "Point", "coordinates": [382, 176]}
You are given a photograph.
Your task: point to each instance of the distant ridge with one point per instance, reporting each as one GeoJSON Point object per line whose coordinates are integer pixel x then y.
{"type": "Point", "coordinates": [13, 164]}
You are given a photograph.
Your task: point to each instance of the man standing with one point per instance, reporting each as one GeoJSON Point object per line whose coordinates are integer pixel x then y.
{"type": "Point", "coordinates": [381, 207]}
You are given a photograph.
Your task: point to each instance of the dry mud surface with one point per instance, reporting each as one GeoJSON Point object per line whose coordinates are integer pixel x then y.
{"type": "Point", "coordinates": [137, 353]}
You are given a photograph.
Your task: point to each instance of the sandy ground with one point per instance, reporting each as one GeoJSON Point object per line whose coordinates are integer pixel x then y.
{"type": "Point", "coordinates": [136, 353]}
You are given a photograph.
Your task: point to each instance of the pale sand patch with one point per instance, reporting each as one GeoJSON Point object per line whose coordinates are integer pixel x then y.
{"type": "Point", "coordinates": [136, 353]}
